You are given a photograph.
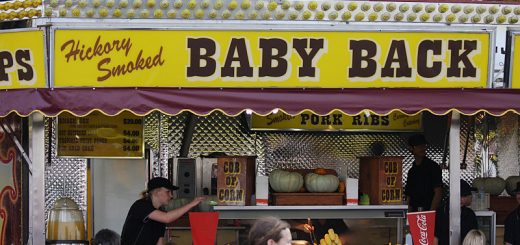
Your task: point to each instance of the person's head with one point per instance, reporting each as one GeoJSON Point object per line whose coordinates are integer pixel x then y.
{"type": "Point", "coordinates": [517, 192]}
{"type": "Point", "coordinates": [465, 193]}
{"type": "Point", "coordinates": [417, 144]}
{"type": "Point", "coordinates": [160, 189]}
{"type": "Point", "coordinates": [106, 237]}
{"type": "Point", "coordinates": [475, 237]}
{"type": "Point", "coordinates": [270, 231]}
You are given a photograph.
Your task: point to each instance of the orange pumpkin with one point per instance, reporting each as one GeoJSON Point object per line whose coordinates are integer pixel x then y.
{"type": "Point", "coordinates": [342, 187]}
{"type": "Point", "coordinates": [324, 171]}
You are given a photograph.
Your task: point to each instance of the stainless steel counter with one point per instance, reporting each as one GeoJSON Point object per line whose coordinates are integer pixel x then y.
{"type": "Point", "coordinates": [397, 212]}
{"type": "Point", "coordinates": [318, 212]}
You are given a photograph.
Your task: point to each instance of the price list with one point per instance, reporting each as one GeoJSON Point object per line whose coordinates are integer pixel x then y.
{"type": "Point", "coordinates": [98, 135]}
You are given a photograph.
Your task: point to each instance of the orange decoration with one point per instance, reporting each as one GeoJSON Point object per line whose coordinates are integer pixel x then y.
{"type": "Point", "coordinates": [324, 171]}
{"type": "Point", "coordinates": [342, 186]}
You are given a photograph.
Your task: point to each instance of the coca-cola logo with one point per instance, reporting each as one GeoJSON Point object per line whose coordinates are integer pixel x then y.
{"type": "Point", "coordinates": [423, 227]}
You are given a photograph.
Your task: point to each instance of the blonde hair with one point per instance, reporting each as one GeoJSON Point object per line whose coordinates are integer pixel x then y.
{"type": "Point", "coordinates": [475, 237]}
{"type": "Point", "coordinates": [265, 229]}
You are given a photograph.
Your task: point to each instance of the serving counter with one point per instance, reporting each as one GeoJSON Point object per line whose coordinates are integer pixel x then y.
{"type": "Point", "coordinates": [397, 212]}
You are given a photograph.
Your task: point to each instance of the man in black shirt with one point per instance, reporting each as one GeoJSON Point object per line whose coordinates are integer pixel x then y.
{"type": "Point", "coordinates": [512, 224]}
{"type": "Point", "coordinates": [424, 182]}
{"type": "Point", "coordinates": [468, 219]}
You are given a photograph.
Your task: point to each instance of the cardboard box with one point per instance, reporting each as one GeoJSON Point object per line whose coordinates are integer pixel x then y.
{"type": "Point", "coordinates": [381, 179]}
{"type": "Point", "coordinates": [236, 180]}
{"type": "Point", "coordinates": [262, 190]}
{"type": "Point", "coordinates": [351, 195]}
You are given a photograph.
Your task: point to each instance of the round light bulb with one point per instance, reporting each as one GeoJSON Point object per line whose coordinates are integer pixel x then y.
{"type": "Point", "coordinates": [333, 15]}
{"type": "Point", "coordinates": [417, 7]}
{"type": "Point", "coordinates": [246, 4]}
{"type": "Point", "coordinates": [404, 7]}
{"type": "Point", "coordinates": [430, 8]}
{"type": "Point", "coordinates": [411, 17]}
{"type": "Point", "coordinates": [346, 16]}
{"type": "Point", "coordinates": [312, 5]}
{"type": "Point", "coordinates": [325, 6]}
{"type": "Point", "coordinates": [386, 16]}
{"type": "Point", "coordinates": [339, 6]}
{"type": "Point", "coordinates": [476, 18]}
{"type": "Point", "coordinates": [365, 7]}
{"type": "Point", "coordinates": [399, 16]}
{"type": "Point", "coordinates": [443, 8]}
{"type": "Point", "coordinates": [359, 16]}
{"type": "Point", "coordinates": [390, 7]}
{"type": "Point", "coordinates": [286, 5]}
{"type": "Point", "coordinates": [172, 14]}
{"type": "Point", "coordinates": [468, 9]}
{"type": "Point", "coordinates": [352, 6]}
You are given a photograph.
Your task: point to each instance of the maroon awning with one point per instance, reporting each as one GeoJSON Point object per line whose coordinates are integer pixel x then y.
{"type": "Point", "coordinates": [233, 101]}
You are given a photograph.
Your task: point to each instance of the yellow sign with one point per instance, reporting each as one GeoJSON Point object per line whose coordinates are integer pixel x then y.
{"type": "Point", "coordinates": [22, 60]}
{"type": "Point", "coordinates": [97, 135]}
{"type": "Point", "coordinates": [227, 58]}
{"type": "Point", "coordinates": [395, 121]}
{"type": "Point", "coordinates": [515, 74]}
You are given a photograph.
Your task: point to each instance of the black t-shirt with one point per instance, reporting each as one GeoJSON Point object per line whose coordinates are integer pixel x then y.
{"type": "Point", "coordinates": [138, 228]}
{"type": "Point", "coordinates": [468, 222]}
{"type": "Point", "coordinates": [320, 229]}
{"type": "Point", "coordinates": [512, 227]}
{"type": "Point", "coordinates": [421, 182]}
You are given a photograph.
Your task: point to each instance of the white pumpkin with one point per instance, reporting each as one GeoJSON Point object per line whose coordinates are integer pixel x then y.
{"type": "Point", "coordinates": [511, 184]}
{"type": "Point", "coordinates": [321, 183]}
{"type": "Point", "coordinates": [491, 185]}
{"type": "Point", "coordinates": [285, 181]}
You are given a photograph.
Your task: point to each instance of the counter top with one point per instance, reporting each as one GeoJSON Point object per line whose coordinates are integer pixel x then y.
{"type": "Point", "coordinates": [319, 212]}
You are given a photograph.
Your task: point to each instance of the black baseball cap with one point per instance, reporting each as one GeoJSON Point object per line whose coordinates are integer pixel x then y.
{"type": "Point", "coordinates": [159, 182]}
{"type": "Point", "coordinates": [417, 139]}
{"type": "Point", "coordinates": [466, 189]}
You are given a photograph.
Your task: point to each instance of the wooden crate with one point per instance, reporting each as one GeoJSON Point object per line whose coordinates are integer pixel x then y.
{"type": "Point", "coordinates": [307, 198]}
{"type": "Point", "coordinates": [381, 178]}
{"type": "Point", "coordinates": [502, 205]}
{"type": "Point", "coordinates": [235, 180]}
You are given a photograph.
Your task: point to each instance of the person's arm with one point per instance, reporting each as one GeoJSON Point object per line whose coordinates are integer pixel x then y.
{"type": "Point", "coordinates": [172, 215]}
{"type": "Point", "coordinates": [160, 241]}
{"type": "Point", "coordinates": [437, 197]}
{"type": "Point", "coordinates": [300, 225]}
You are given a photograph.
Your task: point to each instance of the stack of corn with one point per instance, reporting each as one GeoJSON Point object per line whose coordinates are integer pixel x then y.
{"type": "Point", "coordinates": [331, 238]}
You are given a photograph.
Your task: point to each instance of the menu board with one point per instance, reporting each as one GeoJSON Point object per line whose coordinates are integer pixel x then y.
{"type": "Point", "coordinates": [98, 135]}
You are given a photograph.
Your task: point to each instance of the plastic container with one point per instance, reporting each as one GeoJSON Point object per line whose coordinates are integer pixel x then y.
{"type": "Point", "coordinates": [65, 222]}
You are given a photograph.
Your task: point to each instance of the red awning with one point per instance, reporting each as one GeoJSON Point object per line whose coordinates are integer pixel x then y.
{"type": "Point", "coordinates": [233, 101]}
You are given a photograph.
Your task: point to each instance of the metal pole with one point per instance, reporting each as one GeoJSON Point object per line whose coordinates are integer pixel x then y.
{"type": "Point", "coordinates": [455, 178]}
{"type": "Point", "coordinates": [37, 179]}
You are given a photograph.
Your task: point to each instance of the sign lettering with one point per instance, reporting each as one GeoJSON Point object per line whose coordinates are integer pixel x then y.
{"type": "Point", "coordinates": [271, 58]}
{"type": "Point", "coordinates": [22, 60]}
{"type": "Point", "coordinates": [395, 121]}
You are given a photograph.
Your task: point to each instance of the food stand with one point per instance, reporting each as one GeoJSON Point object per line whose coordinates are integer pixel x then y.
{"type": "Point", "coordinates": [195, 68]}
